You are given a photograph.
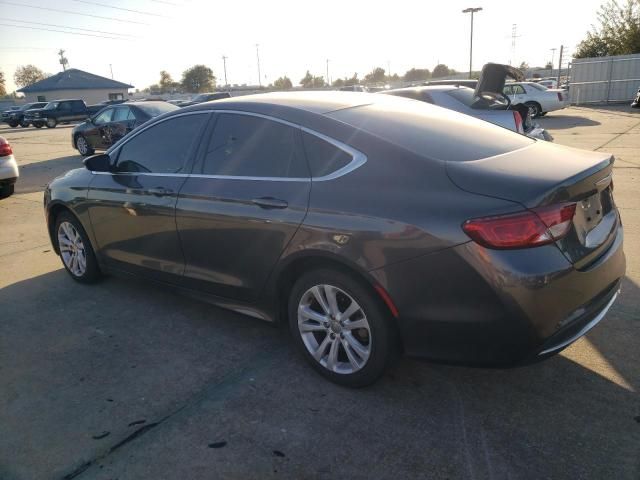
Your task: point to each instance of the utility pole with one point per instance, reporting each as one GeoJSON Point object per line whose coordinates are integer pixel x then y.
{"type": "Point", "coordinates": [63, 61]}
{"type": "Point", "coordinates": [328, 81]}
{"type": "Point", "coordinates": [560, 64]}
{"type": "Point", "coordinates": [389, 69]}
{"type": "Point", "coordinates": [224, 61]}
{"type": "Point", "coordinates": [471, 11]}
{"type": "Point", "coordinates": [111, 68]}
{"type": "Point", "coordinates": [258, 57]}
{"type": "Point", "coordinates": [553, 58]}
{"type": "Point", "coordinates": [514, 35]}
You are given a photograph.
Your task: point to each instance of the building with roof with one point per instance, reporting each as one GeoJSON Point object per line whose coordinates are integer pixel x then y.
{"type": "Point", "coordinates": [74, 83]}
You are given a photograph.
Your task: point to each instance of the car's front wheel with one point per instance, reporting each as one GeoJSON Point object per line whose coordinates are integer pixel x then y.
{"type": "Point", "coordinates": [75, 249]}
{"type": "Point", "coordinates": [51, 123]}
{"type": "Point", "coordinates": [12, 123]}
{"type": "Point", "coordinates": [83, 146]}
{"type": "Point", "coordinates": [341, 328]}
{"type": "Point", "coordinates": [24, 124]}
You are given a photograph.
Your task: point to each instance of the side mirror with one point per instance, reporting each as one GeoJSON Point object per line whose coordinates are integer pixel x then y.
{"type": "Point", "coordinates": [98, 163]}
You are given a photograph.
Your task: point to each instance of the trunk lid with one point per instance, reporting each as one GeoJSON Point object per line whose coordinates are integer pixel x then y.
{"type": "Point", "coordinates": [545, 174]}
{"type": "Point", "coordinates": [494, 76]}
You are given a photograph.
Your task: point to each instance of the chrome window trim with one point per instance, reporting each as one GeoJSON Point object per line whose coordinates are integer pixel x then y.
{"type": "Point", "coordinates": [358, 158]}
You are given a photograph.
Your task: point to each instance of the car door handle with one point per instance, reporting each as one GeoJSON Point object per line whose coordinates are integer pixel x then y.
{"type": "Point", "coordinates": [269, 202]}
{"type": "Point", "coordinates": [160, 191]}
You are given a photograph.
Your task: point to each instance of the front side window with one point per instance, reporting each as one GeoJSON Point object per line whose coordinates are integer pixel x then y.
{"type": "Point", "coordinates": [324, 158]}
{"type": "Point", "coordinates": [247, 146]}
{"type": "Point", "coordinates": [104, 116]}
{"type": "Point", "coordinates": [121, 114]}
{"type": "Point", "coordinates": [163, 148]}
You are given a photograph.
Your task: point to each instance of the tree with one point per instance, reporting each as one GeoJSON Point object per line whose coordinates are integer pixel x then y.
{"type": "Point", "coordinates": [377, 75]}
{"type": "Point", "coordinates": [349, 82]}
{"type": "Point", "coordinates": [3, 89]}
{"type": "Point", "coordinates": [337, 83]}
{"type": "Point", "coordinates": [309, 81]}
{"type": "Point", "coordinates": [524, 66]}
{"type": "Point", "coordinates": [441, 70]}
{"type": "Point", "coordinates": [416, 75]}
{"type": "Point", "coordinates": [617, 34]}
{"type": "Point", "coordinates": [198, 79]}
{"type": "Point", "coordinates": [166, 83]}
{"type": "Point", "coordinates": [28, 75]}
{"type": "Point", "coordinates": [393, 78]}
{"type": "Point", "coordinates": [283, 83]}
{"type": "Point", "coordinates": [548, 66]}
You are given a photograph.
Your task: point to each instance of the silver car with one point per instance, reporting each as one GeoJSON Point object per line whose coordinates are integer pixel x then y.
{"type": "Point", "coordinates": [8, 169]}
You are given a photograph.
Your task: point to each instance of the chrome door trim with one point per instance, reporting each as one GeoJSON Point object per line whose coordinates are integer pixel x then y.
{"type": "Point", "coordinates": [358, 158]}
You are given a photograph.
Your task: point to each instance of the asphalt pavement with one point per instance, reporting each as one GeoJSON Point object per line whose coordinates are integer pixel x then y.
{"type": "Point", "coordinates": [130, 381]}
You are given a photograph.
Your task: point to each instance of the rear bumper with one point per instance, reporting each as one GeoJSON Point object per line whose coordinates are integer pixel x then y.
{"type": "Point", "coordinates": [8, 170]}
{"type": "Point", "coordinates": [474, 306]}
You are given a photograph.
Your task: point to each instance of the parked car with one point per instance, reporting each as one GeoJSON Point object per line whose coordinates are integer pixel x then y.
{"type": "Point", "coordinates": [16, 117]}
{"type": "Point", "coordinates": [486, 102]}
{"type": "Point", "coordinates": [538, 98]}
{"type": "Point", "coordinates": [9, 172]}
{"type": "Point", "coordinates": [636, 101]}
{"type": "Point", "coordinates": [205, 97]}
{"type": "Point", "coordinates": [426, 230]}
{"type": "Point", "coordinates": [60, 111]}
{"type": "Point", "coordinates": [4, 115]}
{"type": "Point", "coordinates": [354, 88]}
{"type": "Point", "coordinates": [112, 123]}
{"type": "Point", "coordinates": [471, 83]}
{"type": "Point", "coordinates": [548, 83]}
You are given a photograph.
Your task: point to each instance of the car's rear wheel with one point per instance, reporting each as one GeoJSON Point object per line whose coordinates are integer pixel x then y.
{"type": "Point", "coordinates": [341, 328]}
{"type": "Point", "coordinates": [534, 108]}
{"type": "Point", "coordinates": [75, 249]}
{"type": "Point", "coordinates": [83, 146]}
{"type": "Point", "coordinates": [51, 123]}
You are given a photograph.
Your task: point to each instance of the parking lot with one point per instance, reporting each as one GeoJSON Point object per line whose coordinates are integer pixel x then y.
{"type": "Point", "coordinates": [127, 380]}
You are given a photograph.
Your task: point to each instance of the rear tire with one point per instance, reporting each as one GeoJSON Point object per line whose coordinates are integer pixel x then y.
{"type": "Point", "coordinates": [75, 249]}
{"type": "Point", "coordinates": [534, 108]}
{"type": "Point", "coordinates": [6, 190]}
{"type": "Point", "coordinates": [52, 123]}
{"type": "Point", "coordinates": [341, 328]}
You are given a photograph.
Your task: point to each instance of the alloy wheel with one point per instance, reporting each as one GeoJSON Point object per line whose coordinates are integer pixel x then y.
{"type": "Point", "coordinates": [81, 143]}
{"type": "Point", "coordinates": [334, 329]}
{"type": "Point", "coordinates": [72, 249]}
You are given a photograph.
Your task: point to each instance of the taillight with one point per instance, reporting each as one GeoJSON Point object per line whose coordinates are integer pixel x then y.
{"type": "Point", "coordinates": [530, 228]}
{"type": "Point", "coordinates": [559, 96]}
{"type": "Point", "coordinates": [5, 148]}
{"type": "Point", "coordinates": [518, 119]}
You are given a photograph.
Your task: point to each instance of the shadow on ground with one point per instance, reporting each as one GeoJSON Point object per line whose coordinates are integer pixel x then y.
{"type": "Point", "coordinates": [198, 392]}
{"type": "Point", "coordinates": [34, 176]}
{"type": "Point", "coordinates": [566, 121]}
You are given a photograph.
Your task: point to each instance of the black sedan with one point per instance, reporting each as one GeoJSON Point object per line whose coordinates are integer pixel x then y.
{"type": "Point", "coordinates": [370, 224]}
{"type": "Point", "coordinates": [112, 123]}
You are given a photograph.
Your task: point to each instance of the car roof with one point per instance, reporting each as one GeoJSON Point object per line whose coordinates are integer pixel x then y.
{"type": "Point", "coordinates": [430, 88]}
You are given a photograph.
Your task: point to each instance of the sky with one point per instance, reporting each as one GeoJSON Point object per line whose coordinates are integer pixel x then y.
{"type": "Point", "coordinates": [146, 36]}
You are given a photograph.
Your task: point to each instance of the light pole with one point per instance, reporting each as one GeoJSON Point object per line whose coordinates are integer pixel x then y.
{"type": "Point", "coordinates": [328, 82]}
{"type": "Point", "coordinates": [224, 61]}
{"type": "Point", "coordinates": [471, 11]}
{"type": "Point", "coordinates": [258, 57]}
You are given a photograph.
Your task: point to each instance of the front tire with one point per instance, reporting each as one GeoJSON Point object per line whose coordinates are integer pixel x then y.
{"type": "Point", "coordinates": [341, 328]}
{"type": "Point", "coordinates": [52, 123]}
{"type": "Point", "coordinates": [13, 124]}
{"type": "Point", "coordinates": [24, 124]}
{"type": "Point", "coordinates": [75, 249]}
{"type": "Point", "coordinates": [83, 146]}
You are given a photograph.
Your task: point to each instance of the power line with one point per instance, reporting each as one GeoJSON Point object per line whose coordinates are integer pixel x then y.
{"type": "Point", "coordinates": [120, 8]}
{"type": "Point", "coordinates": [62, 31]}
{"type": "Point", "coordinates": [72, 28]}
{"type": "Point", "coordinates": [72, 13]}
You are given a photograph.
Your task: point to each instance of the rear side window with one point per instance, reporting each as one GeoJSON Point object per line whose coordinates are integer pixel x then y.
{"type": "Point", "coordinates": [247, 146]}
{"type": "Point", "coordinates": [323, 157]}
{"type": "Point", "coordinates": [162, 148]}
{"type": "Point", "coordinates": [121, 114]}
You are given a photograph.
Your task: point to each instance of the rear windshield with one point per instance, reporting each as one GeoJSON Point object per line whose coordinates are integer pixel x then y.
{"type": "Point", "coordinates": [538, 86]}
{"type": "Point", "coordinates": [156, 109]}
{"type": "Point", "coordinates": [432, 131]}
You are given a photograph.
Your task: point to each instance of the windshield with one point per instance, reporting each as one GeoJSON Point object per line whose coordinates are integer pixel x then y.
{"type": "Point", "coordinates": [153, 110]}
{"type": "Point", "coordinates": [51, 106]}
{"type": "Point", "coordinates": [467, 97]}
